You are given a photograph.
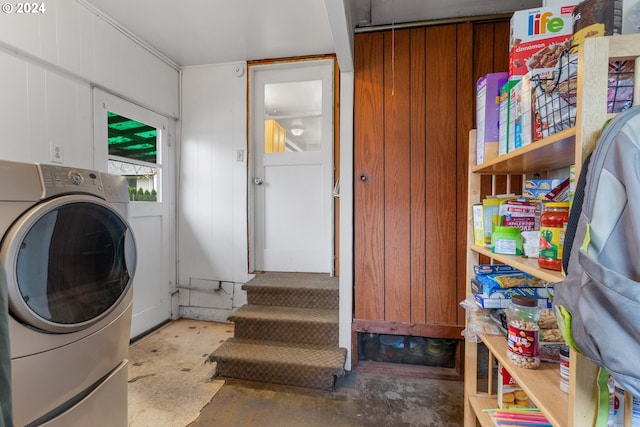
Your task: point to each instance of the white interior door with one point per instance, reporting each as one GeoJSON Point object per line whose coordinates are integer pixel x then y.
{"type": "Point", "coordinates": [152, 215]}
{"type": "Point", "coordinates": [292, 181]}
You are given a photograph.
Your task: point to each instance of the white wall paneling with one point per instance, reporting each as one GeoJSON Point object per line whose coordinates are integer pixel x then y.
{"type": "Point", "coordinates": [73, 40]}
{"type": "Point", "coordinates": [212, 225]}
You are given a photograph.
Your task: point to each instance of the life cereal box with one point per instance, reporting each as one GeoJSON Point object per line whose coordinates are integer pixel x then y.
{"type": "Point", "coordinates": [538, 37]}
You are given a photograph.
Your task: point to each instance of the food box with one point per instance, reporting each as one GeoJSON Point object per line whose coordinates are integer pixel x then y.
{"type": "Point", "coordinates": [493, 282]}
{"type": "Point", "coordinates": [490, 212]}
{"type": "Point", "coordinates": [538, 37]}
{"type": "Point", "coordinates": [510, 394]}
{"type": "Point", "coordinates": [480, 269]}
{"type": "Point", "coordinates": [488, 115]}
{"type": "Point", "coordinates": [539, 188]}
{"type": "Point", "coordinates": [517, 213]}
{"type": "Point", "coordinates": [559, 193]}
{"type": "Point", "coordinates": [487, 302]}
{"type": "Point", "coordinates": [596, 18]}
{"type": "Point", "coordinates": [503, 127]}
{"type": "Point", "coordinates": [478, 224]}
{"type": "Point", "coordinates": [507, 293]}
{"type": "Point", "coordinates": [520, 100]}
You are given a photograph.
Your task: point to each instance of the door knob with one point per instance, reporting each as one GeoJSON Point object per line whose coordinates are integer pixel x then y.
{"type": "Point", "coordinates": [257, 181]}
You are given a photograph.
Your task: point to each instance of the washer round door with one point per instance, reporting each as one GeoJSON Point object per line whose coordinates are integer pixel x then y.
{"type": "Point", "coordinates": [69, 261]}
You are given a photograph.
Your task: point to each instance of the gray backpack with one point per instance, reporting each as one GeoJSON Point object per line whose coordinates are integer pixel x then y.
{"type": "Point", "coordinates": [598, 303]}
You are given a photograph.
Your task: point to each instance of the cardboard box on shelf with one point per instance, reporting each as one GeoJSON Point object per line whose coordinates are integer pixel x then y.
{"type": "Point", "coordinates": [596, 18]}
{"type": "Point", "coordinates": [488, 115]}
{"type": "Point", "coordinates": [505, 114]}
{"type": "Point", "coordinates": [480, 288]}
{"type": "Point", "coordinates": [537, 38]}
{"type": "Point", "coordinates": [510, 394]}
{"type": "Point", "coordinates": [478, 224]}
{"type": "Point", "coordinates": [539, 188]}
{"type": "Point", "coordinates": [490, 212]}
{"type": "Point", "coordinates": [518, 213]}
{"type": "Point", "coordinates": [520, 126]}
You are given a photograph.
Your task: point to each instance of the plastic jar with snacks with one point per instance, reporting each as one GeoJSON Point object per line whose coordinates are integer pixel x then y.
{"type": "Point", "coordinates": [553, 223]}
{"type": "Point", "coordinates": [523, 332]}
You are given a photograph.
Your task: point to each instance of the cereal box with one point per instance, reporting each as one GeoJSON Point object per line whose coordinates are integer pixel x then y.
{"type": "Point", "coordinates": [538, 37]}
{"type": "Point", "coordinates": [503, 128]}
{"type": "Point", "coordinates": [520, 127]}
{"type": "Point", "coordinates": [596, 18]}
{"type": "Point", "coordinates": [487, 114]}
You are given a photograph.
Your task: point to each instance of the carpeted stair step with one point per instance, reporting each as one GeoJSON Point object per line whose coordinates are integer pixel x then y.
{"type": "Point", "coordinates": [286, 324]}
{"type": "Point", "coordinates": [305, 290]}
{"type": "Point", "coordinates": [300, 365]}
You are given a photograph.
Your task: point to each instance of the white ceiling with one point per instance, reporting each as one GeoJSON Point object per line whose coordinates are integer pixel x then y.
{"type": "Point", "coordinates": [198, 32]}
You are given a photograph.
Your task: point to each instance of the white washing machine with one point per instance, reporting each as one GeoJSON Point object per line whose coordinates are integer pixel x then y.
{"type": "Point", "coordinates": [70, 257]}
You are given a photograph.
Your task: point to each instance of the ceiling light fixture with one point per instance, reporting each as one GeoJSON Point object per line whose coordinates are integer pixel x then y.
{"type": "Point", "coordinates": [297, 131]}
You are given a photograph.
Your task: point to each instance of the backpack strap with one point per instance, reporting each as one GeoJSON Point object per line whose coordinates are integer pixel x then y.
{"type": "Point", "coordinates": [602, 415]}
{"type": "Point", "coordinates": [574, 214]}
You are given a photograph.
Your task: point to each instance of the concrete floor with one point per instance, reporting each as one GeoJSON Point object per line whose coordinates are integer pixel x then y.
{"type": "Point", "coordinates": [176, 390]}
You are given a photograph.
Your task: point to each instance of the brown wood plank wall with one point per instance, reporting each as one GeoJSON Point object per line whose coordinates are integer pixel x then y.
{"type": "Point", "coordinates": [414, 107]}
{"type": "Point", "coordinates": [442, 185]}
{"type": "Point", "coordinates": [369, 161]}
{"type": "Point", "coordinates": [418, 80]}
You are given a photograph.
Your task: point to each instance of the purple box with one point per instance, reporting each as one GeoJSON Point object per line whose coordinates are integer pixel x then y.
{"type": "Point", "coordinates": [488, 115]}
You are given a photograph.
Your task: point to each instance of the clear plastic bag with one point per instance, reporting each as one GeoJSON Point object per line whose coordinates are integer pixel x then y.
{"type": "Point", "coordinates": [479, 321]}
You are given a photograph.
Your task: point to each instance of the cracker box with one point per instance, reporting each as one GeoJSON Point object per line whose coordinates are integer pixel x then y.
{"type": "Point", "coordinates": [510, 394]}
{"type": "Point", "coordinates": [518, 213]}
{"type": "Point", "coordinates": [539, 188]}
{"type": "Point", "coordinates": [503, 127]}
{"type": "Point", "coordinates": [538, 37]}
{"type": "Point", "coordinates": [488, 115]}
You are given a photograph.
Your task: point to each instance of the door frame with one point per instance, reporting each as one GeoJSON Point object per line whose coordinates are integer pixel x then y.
{"type": "Point", "coordinates": [287, 63]}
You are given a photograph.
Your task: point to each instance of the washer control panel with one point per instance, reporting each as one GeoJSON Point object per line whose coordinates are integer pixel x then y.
{"type": "Point", "coordinates": [63, 179]}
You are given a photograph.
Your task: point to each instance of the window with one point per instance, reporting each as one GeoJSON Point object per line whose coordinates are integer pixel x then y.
{"type": "Point", "coordinates": [133, 154]}
{"type": "Point", "coordinates": [293, 116]}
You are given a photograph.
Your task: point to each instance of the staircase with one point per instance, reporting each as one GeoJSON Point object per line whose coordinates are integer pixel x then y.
{"type": "Point", "coordinates": [287, 333]}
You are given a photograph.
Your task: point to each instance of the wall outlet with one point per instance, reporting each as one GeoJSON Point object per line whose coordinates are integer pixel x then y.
{"type": "Point", "coordinates": [57, 153]}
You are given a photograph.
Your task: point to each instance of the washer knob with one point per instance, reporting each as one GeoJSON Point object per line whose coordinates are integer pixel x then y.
{"type": "Point", "coordinates": [75, 177]}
